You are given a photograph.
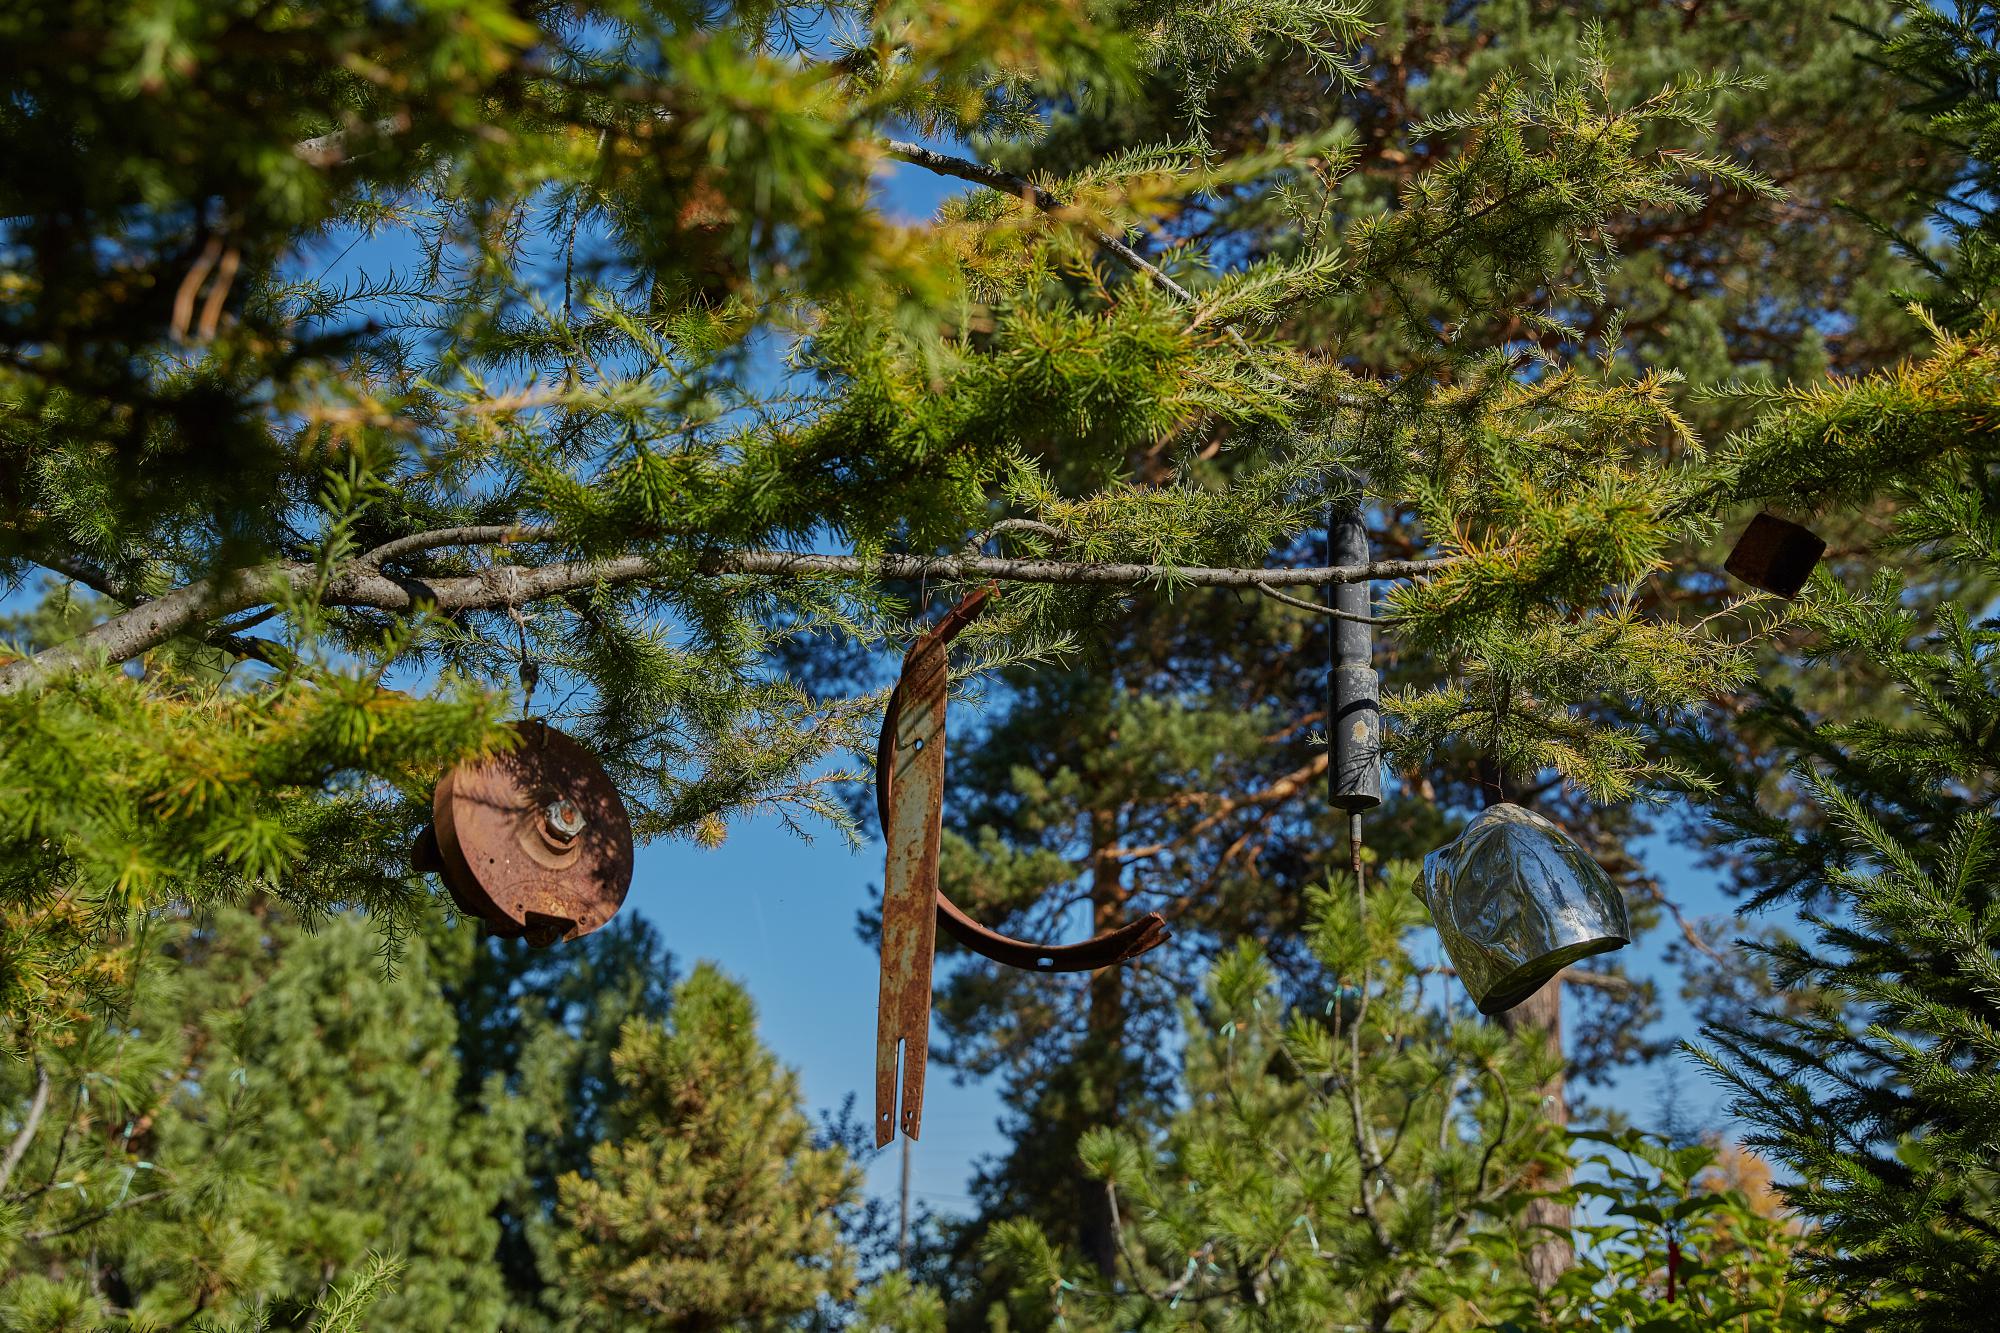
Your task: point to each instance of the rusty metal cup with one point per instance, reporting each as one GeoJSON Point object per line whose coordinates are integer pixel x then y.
{"type": "Point", "coordinates": [1516, 901]}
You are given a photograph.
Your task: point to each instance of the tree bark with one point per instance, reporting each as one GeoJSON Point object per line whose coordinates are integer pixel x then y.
{"type": "Point", "coordinates": [1104, 1036]}
{"type": "Point", "coordinates": [1539, 1018]}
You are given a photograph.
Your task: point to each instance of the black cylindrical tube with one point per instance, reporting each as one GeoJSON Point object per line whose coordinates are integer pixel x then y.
{"type": "Point", "coordinates": [1354, 691]}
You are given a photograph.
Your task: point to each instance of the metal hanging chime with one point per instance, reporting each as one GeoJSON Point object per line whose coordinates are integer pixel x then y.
{"type": "Point", "coordinates": [909, 793]}
{"type": "Point", "coordinates": [534, 842]}
{"type": "Point", "coordinates": [1775, 554]}
{"type": "Point", "coordinates": [537, 844]}
{"type": "Point", "coordinates": [1514, 899]}
{"type": "Point", "coordinates": [1354, 690]}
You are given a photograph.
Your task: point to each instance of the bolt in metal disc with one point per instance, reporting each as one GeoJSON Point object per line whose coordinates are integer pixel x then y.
{"type": "Point", "coordinates": [534, 842]}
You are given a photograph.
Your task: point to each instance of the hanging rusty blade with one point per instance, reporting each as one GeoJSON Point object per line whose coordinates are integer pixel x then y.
{"type": "Point", "coordinates": [1107, 950]}
{"type": "Point", "coordinates": [914, 754]}
{"type": "Point", "coordinates": [909, 794]}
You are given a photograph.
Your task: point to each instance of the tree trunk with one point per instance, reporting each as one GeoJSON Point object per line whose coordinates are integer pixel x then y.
{"type": "Point", "coordinates": [1539, 1017]}
{"type": "Point", "coordinates": [1104, 1036]}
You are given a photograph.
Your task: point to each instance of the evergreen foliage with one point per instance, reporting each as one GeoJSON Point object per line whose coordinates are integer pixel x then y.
{"type": "Point", "coordinates": [1333, 1160]}
{"type": "Point", "coordinates": [1363, 1160]}
{"type": "Point", "coordinates": [708, 1205]}
{"type": "Point", "coordinates": [544, 1025]}
{"type": "Point", "coordinates": [275, 1132]}
{"type": "Point", "coordinates": [632, 338]}
{"type": "Point", "coordinates": [1876, 1091]}
{"type": "Point", "coordinates": [1874, 1085]}
{"type": "Point", "coordinates": [1949, 57]}
{"type": "Point", "coordinates": [1690, 1239]}
{"type": "Point", "coordinates": [1176, 766]}
{"type": "Point", "coordinates": [551, 426]}
{"type": "Point", "coordinates": [268, 1113]}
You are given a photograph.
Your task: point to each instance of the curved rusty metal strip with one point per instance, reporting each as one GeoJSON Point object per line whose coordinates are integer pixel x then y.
{"type": "Point", "coordinates": [911, 755]}
{"type": "Point", "coordinates": [1106, 950]}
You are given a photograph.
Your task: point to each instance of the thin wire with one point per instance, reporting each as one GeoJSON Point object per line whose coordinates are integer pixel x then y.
{"type": "Point", "coordinates": [1354, 845]}
{"type": "Point", "coordinates": [360, 235]}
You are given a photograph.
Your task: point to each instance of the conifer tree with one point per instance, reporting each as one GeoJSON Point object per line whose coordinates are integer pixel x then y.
{"type": "Point", "coordinates": [268, 1115]}
{"type": "Point", "coordinates": [1178, 766]}
{"type": "Point", "coordinates": [272, 1112]}
{"type": "Point", "coordinates": [480, 459]}
{"type": "Point", "coordinates": [1876, 1090]}
{"type": "Point", "coordinates": [544, 1026]}
{"type": "Point", "coordinates": [1334, 1159]}
{"type": "Point", "coordinates": [709, 1206]}
{"type": "Point", "coordinates": [1874, 1085]}
{"type": "Point", "coordinates": [1685, 1236]}
{"type": "Point", "coordinates": [1363, 1159]}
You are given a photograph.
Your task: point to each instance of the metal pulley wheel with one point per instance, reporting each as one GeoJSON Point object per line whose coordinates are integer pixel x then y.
{"type": "Point", "coordinates": [535, 842]}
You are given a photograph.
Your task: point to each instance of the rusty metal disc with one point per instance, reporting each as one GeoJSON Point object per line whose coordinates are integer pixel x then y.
{"type": "Point", "coordinates": [534, 842]}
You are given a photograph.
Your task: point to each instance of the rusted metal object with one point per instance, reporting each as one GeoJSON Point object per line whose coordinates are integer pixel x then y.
{"type": "Point", "coordinates": [914, 741]}
{"type": "Point", "coordinates": [909, 795]}
{"type": "Point", "coordinates": [534, 842]}
{"type": "Point", "coordinates": [1775, 554]}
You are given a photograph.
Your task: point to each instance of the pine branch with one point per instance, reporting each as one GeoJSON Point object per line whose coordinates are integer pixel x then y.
{"type": "Point", "coordinates": [959, 168]}
{"type": "Point", "coordinates": [92, 1219]}
{"type": "Point", "coordinates": [944, 164]}
{"type": "Point", "coordinates": [361, 584]}
{"type": "Point", "coordinates": [33, 1121]}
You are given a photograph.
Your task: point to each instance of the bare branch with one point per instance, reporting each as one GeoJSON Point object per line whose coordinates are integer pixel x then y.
{"type": "Point", "coordinates": [360, 584]}
{"type": "Point", "coordinates": [1687, 927]}
{"type": "Point", "coordinates": [1604, 981]}
{"type": "Point", "coordinates": [470, 536]}
{"type": "Point", "coordinates": [1322, 609]}
{"type": "Point", "coordinates": [977, 542]}
{"type": "Point", "coordinates": [32, 1122]}
{"type": "Point", "coordinates": [330, 150]}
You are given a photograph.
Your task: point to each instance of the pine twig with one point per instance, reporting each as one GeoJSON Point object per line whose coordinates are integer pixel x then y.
{"type": "Point", "coordinates": [92, 1219]}
{"type": "Point", "coordinates": [944, 164]}
{"type": "Point", "coordinates": [1322, 609]}
{"type": "Point", "coordinates": [32, 1122]}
